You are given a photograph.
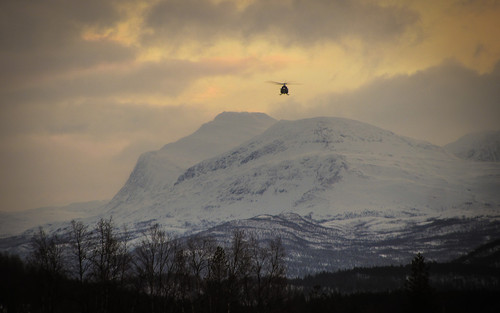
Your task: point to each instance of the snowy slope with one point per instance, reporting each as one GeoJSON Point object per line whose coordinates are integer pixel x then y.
{"type": "Point", "coordinates": [156, 171]}
{"type": "Point", "coordinates": [323, 167]}
{"type": "Point", "coordinates": [483, 146]}
{"type": "Point", "coordinates": [347, 242]}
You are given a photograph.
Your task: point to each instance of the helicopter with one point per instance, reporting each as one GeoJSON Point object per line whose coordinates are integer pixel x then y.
{"type": "Point", "coordinates": [284, 88]}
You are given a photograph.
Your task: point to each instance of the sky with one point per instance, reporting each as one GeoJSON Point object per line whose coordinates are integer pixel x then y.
{"type": "Point", "coordinates": [87, 86]}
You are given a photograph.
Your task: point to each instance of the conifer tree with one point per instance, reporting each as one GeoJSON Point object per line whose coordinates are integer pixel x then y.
{"type": "Point", "coordinates": [417, 284]}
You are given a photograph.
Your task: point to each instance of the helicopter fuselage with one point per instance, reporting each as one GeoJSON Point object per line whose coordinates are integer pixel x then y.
{"type": "Point", "coordinates": [284, 90]}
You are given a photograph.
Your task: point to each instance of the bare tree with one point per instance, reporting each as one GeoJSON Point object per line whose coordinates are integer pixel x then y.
{"type": "Point", "coordinates": [47, 252]}
{"type": "Point", "coordinates": [80, 247]}
{"type": "Point", "coordinates": [47, 258]}
{"type": "Point", "coordinates": [124, 256]}
{"type": "Point", "coordinates": [180, 281]}
{"type": "Point", "coordinates": [197, 255]}
{"type": "Point", "coordinates": [199, 250]}
{"type": "Point", "coordinates": [217, 281]}
{"type": "Point", "coordinates": [154, 262]}
{"type": "Point", "coordinates": [239, 265]}
{"type": "Point", "coordinates": [109, 260]}
{"type": "Point", "coordinates": [239, 258]}
{"type": "Point", "coordinates": [260, 263]}
{"type": "Point", "coordinates": [277, 269]}
{"type": "Point", "coordinates": [108, 254]}
{"type": "Point", "coordinates": [218, 265]}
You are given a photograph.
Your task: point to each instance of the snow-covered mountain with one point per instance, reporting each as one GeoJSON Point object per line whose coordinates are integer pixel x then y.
{"type": "Point", "coordinates": [156, 171]}
{"type": "Point", "coordinates": [482, 146]}
{"type": "Point", "coordinates": [340, 193]}
{"type": "Point", "coordinates": [321, 167]}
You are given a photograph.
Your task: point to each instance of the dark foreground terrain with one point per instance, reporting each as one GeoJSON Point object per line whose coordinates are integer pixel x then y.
{"type": "Point", "coordinates": [246, 276]}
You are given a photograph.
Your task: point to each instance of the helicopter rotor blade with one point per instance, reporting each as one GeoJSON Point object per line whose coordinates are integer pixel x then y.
{"type": "Point", "coordinates": [276, 83]}
{"type": "Point", "coordinates": [283, 83]}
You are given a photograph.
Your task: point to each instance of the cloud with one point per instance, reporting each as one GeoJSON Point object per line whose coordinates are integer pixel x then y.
{"type": "Point", "coordinates": [42, 38]}
{"type": "Point", "coordinates": [299, 22]}
{"type": "Point", "coordinates": [130, 80]}
{"type": "Point", "coordinates": [97, 120]}
{"type": "Point", "coordinates": [39, 25]}
{"type": "Point", "coordinates": [437, 104]}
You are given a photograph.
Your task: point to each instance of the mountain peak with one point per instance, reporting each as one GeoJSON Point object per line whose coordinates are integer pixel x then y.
{"type": "Point", "coordinates": [156, 170]}
{"type": "Point", "coordinates": [231, 116]}
{"type": "Point", "coordinates": [313, 165]}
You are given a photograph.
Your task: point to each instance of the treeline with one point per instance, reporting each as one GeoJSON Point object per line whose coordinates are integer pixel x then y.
{"type": "Point", "coordinates": [95, 270]}
{"type": "Point", "coordinates": [442, 277]}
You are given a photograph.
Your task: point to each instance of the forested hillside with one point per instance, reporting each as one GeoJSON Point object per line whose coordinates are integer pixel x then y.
{"type": "Point", "coordinates": [94, 270]}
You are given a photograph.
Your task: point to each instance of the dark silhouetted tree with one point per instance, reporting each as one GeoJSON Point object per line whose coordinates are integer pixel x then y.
{"type": "Point", "coordinates": [181, 279]}
{"type": "Point", "coordinates": [47, 259]}
{"type": "Point", "coordinates": [197, 256]}
{"type": "Point", "coordinates": [80, 247]}
{"type": "Point", "coordinates": [153, 262]}
{"type": "Point", "coordinates": [239, 268]}
{"type": "Point", "coordinates": [80, 252]}
{"type": "Point", "coordinates": [268, 272]}
{"type": "Point", "coordinates": [417, 284]}
{"type": "Point", "coordinates": [110, 260]}
{"type": "Point", "coordinates": [276, 274]}
{"type": "Point", "coordinates": [260, 263]}
{"type": "Point", "coordinates": [46, 253]}
{"type": "Point", "coordinates": [217, 281]}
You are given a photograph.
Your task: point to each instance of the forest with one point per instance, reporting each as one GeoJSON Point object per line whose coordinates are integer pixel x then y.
{"type": "Point", "coordinates": [95, 269]}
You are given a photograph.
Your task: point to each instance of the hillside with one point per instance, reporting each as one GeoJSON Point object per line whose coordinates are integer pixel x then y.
{"type": "Point", "coordinates": [482, 146]}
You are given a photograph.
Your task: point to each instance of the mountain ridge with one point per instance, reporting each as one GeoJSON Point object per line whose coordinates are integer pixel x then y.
{"type": "Point", "coordinates": [353, 192]}
{"type": "Point", "coordinates": [155, 170]}
{"type": "Point", "coordinates": [323, 168]}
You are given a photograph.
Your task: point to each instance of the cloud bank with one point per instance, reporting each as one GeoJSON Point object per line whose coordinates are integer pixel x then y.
{"type": "Point", "coordinates": [87, 86]}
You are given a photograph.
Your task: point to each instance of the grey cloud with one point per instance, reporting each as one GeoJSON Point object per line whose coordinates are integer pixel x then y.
{"type": "Point", "coordinates": [438, 104]}
{"type": "Point", "coordinates": [198, 19]}
{"type": "Point", "coordinates": [300, 22]}
{"type": "Point", "coordinates": [168, 78]}
{"type": "Point", "coordinates": [27, 67]}
{"type": "Point", "coordinates": [38, 25]}
{"type": "Point", "coordinates": [476, 6]}
{"type": "Point", "coordinates": [39, 38]}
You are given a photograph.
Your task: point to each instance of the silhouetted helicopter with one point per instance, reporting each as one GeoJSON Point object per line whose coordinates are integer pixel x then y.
{"type": "Point", "coordinates": [284, 88]}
